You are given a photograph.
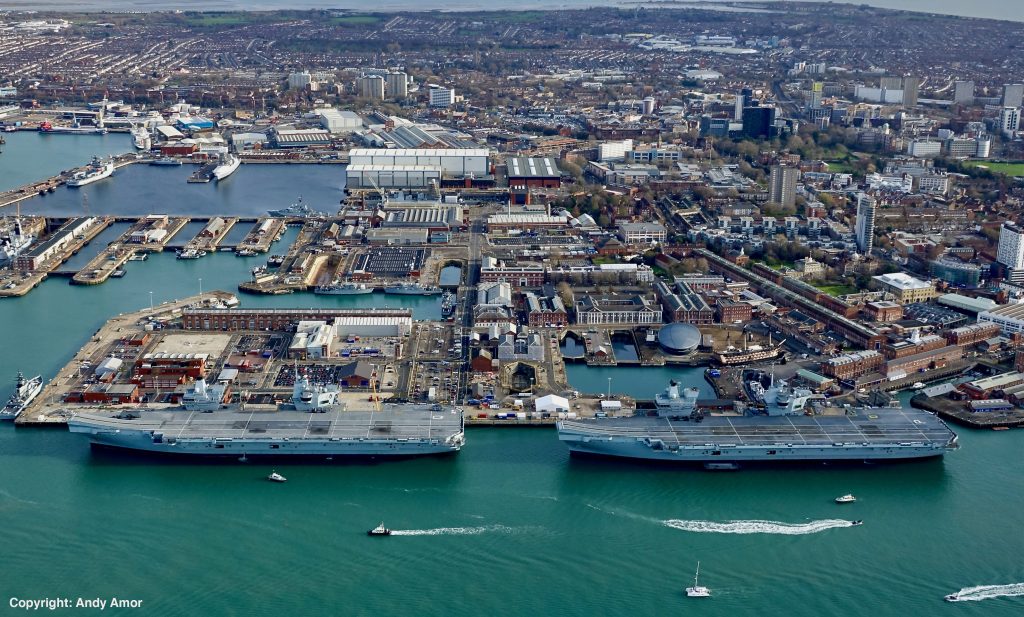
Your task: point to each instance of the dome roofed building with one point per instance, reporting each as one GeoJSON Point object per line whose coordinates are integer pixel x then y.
{"type": "Point", "coordinates": [679, 339]}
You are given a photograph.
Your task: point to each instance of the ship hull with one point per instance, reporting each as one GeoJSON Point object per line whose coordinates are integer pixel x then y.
{"type": "Point", "coordinates": [281, 434]}
{"type": "Point", "coordinates": [749, 455]}
{"type": "Point", "coordinates": [359, 292]}
{"type": "Point", "coordinates": [142, 443]}
{"type": "Point", "coordinates": [412, 292]}
{"type": "Point", "coordinates": [223, 171]}
{"type": "Point", "coordinates": [106, 173]}
{"type": "Point", "coordinates": [876, 435]}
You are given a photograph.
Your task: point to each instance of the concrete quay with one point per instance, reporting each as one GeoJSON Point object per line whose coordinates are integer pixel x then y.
{"type": "Point", "coordinates": [120, 251]}
{"type": "Point", "coordinates": [49, 409]}
{"type": "Point", "coordinates": [263, 234]}
{"type": "Point", "coordinates": [15, 284]}
{"type": "Point", "coordinates": [211, 236]}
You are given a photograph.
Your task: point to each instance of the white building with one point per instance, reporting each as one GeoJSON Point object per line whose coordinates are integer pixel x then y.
{"type": "Point", "coordinates": [412, 167]}
{"type": "Point", "coordinates": [1009, 317]}
{"type": "Point", "coordinates": [935, 184]}
{"type": "Point", "coordinates": [865, 229]}
{"type": "Point", "coordinates": [614, 151]}
{"type": "Point", "coordinates": [442, 97]}
{"type": "Point", "coordinates": [552, 404]}
{"type": "Point", "coordinates": [642, 233]}
{"type": "Point", "coordinates": [924, 148]}
{"type": "Point", "coordinates": [1010, 251]}
{"type": "Point", "coordinates": [337, 121]}
{"type": "Point", "coordinates": [1009, 121]}
{"type": "Point", "coordinates": [300, 80]}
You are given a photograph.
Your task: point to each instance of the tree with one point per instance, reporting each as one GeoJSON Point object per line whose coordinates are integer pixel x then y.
{"type": "Point", "coordinates": [565, 293]}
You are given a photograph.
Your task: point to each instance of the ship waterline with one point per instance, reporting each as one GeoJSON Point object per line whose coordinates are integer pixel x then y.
{"type": "Point", "coordinates": [400, 431]}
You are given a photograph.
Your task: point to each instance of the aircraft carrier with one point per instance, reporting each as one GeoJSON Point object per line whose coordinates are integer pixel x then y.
{"type": "Point", "coordinates": [315, 425]}
{"type": "Point", "coordinates": [797, 431]}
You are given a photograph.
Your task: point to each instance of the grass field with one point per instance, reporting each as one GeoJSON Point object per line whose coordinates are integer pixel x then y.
{"type": "Point", "coordinates": [840, 166]}
{"type": "Point", "coordinates": [219, 19]}
{"type": "Point", "coordinates": [356, 20]}
{"type": "Point", "coordinates": [1010, 169]}
{"type": "Point", "coordinates": [837, 290]}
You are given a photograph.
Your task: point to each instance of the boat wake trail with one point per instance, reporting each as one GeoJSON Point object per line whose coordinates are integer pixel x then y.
{"type": "Point", "coordinates": [987, 592]}
{"type": "Point", "coordinates": [454, 531]}
{"type": "Point", "coordinates": [767, 527]}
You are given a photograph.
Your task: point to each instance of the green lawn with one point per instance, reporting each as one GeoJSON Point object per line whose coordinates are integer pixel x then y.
{"type": "Point", "coordinates": [219, 19]}
{"type": "Point", "coordinates": [840, 166]}
{"type": "Point", "coordinates": [837, 290]}
{"type": "Point", "coordinates": [1010, 169]}
{"type": "Point", "coordinates": [356, 20]}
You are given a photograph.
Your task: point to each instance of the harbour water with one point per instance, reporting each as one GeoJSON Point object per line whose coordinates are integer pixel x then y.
{"type": "Point", "coordinates": [29, 156]}
{"type": "Point", "coordinates": [510, 526]}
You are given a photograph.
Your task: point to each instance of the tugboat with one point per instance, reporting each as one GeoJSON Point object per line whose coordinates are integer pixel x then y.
{"type": "Point", "coordinates": [857, 523]}
{"type": "Point", "coordinates": [379, 530]}
{"type": "Point", "coordinates": [276, 477]}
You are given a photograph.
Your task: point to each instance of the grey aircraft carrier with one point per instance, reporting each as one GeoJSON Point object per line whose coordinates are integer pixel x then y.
{"type": "Point", "coordinates": [316, 424]}
{"type": "Point", "coordinates": [793, 431]}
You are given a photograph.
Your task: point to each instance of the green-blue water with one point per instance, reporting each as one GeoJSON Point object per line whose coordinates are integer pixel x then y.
{"type": "Point", "coordinates": [524, 530]}
{"type": "Point", "coordinates": [29, 156]}
{"type": "Point", "coordinates": [137, 190]}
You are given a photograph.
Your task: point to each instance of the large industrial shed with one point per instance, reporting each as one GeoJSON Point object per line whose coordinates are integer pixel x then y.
{"type": "Point", "coordinates": [412, 167]}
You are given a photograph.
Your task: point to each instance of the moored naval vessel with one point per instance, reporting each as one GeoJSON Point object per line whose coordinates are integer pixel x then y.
{"type": "Point", "coordinates": [315, 424]}
{"type": "Point", "coordinates": [25, 391]}
{"type": "Point", "coordinates": [798, 430]}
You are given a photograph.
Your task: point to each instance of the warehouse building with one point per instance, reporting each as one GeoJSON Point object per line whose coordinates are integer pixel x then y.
{"type": "Point", "coordinates": [1009, 317]}
{"type": "Point", "coordinates": [279, 319]}
{"type": "Point", "coordinates": [526, 172]}
{"type": "Point", "coordinates": [335, 121]}
{"type": "Point", "coordinates": [299, 138]}
{"type": "Point", "coordinates": [33, 258]}
{"type": "Point", "coordinates": [413, 167]}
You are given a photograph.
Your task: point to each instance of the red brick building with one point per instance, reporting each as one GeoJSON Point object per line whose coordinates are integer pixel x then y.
{"type": "Point", "coordinates": [526, 172]}
{"type": "Point", "coordinates": [730, 311]}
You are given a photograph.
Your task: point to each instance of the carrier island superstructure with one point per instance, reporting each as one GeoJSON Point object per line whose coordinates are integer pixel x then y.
{"type": "Point", "coordinates": [315, 424]}
{"type": "Point", "coordinates": [794, 426]}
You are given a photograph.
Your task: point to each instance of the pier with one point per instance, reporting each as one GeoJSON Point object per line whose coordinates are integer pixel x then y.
{"type": "Point", "coordinates": [262, 235]}
{"type": "Point", "coordinates": [210, 237]}
{"type": "Point", "coordinates": [49, 408]}
{"type": "Point", "coordinates": [14, 283]}
{"type": "Point", "coordinates": [149, 235]}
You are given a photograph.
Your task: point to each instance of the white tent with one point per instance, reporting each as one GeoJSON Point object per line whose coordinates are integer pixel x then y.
{"type": "Point", "coordinates": [552, 403]}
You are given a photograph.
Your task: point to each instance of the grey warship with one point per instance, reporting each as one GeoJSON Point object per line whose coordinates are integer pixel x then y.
{"type": "Point", "coordinates": [316, 425]}
{"type": "Point", "coordinates": [795, 427]}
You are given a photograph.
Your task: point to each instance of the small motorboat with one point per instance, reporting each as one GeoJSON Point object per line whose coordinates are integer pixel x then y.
{"type": "Point", "coordinates": [379, 530]}
{"type": "Point", "coordinates": [856, 523]}
{"type": "Point", "coordinates": [697, 591]}
{"type": "Point", "coordinates": [276, 477]}
{"type": "Point", "coordinates": [846, 499]}
{"type": "Point", "coordinates": [953, 597]}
